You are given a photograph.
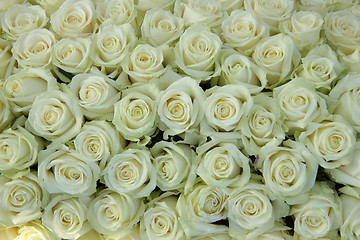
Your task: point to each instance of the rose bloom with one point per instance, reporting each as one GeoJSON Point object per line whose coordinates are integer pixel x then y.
{"type": "Point", "coordinates": [6, 116]}
{"type": "Point", "coordinates": [18, 149]}
{"type": "Point", "coordinates": [56, 116]}
{"type": "Point", "coordinates": [34, 230]}
{"type": "Point", "coordinates": [66, 171]}
{"type": "Point", "coordinates": [6, 59]}
{"type": "Point", "coordinates": [350, 201]}
{"type": "Point", "coordinates": [161, 27]}
{"type": "Point", "coordinates": [115, 12]}
{"type": "Point", "coordinates": [200, 208]}
{"type": "Point", "coordinates": [145, 5]}
{"type": "Point", "coordinates": [34, 49]}
{"type": "Point", "coordinates": [20, 19]}
{"type": "Point", "coordinates": [351, 61]}
{"type": "Point", "coordinates": [320, 214]}
{"type": "Point", "coordinates": [197, 51]}
{"type": "Point", "coordinates": [114, 214]}
{"type": "Point", "coordinates": [22, 198]}
{"type": "Point", "coordinates": [24, 86]}
{"type": "Point", "coordinates": [74, 18]}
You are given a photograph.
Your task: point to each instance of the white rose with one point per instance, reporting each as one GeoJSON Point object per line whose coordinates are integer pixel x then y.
{"type": "Point", "coordinates": [262, 126]}
{"type": "Point", "coordinates": [133, 235]}
{"type": "Point", "coordinates": [231, 5]}
{"type": "Point", "coordinates": [226, 106]}
{"type": "Point", "coordinates": [173, 163]}
{"type": "Point", "coordinates": [347, 94]}
{"type": "Point", "coordinates": [66, 216]}
{"type": "Point", "coordinates": [277, 232]}
{"type": "Point", "coordinates": [135, 114]}
{"type": "Point", "coordinates": [289, 171]}
{"type": "Point", "coordinates": [200, 208]}
{"type": "Point", "coordinates": [6, 116]}
{"type": "Point", "coordinates": [115, 214]}
{"type": "Point", "coordinates": [214, 236]}
{"type": "Point", "coordinates": [144, 63]}
{"type": "Point", "coordinates": [299, 104]}
{"type": "Point", "coordinates": [161, 27]}
{"type": "Point", "coordinates": [303, 27]}
{"type": "Point", "coordinates": [50, 6]}
{"type": "Point", "coordinates": [351, 61]}
{"type": "Point", "coordinates": [278, 56]}
{"type": "Point", "coordinates": [243, 30]}
{"type": "Point", "coordinates": [96, 95]}
{"type": "Point", "coordinates": [111, 44]}
{"type": "Point", "coordinates": [34, 49]}
{"type": "Point", "coordinates": [239, 69]}
{"type": "Point", "coordinates": [319, 215]}
{"type": "Point", "coordinates": [332, 141]}
{"type": "Point", "coordinates": [222, 164]}
{"type": "Point", "coordinates": [8, 233]}
{"type": "Point", "coordinates": [5, 5]}
{"type": "Point", "coordinates": [180, 107]}
{"type": "Point", "coordinates": [350, 201]}
{"type": "Point", "coordinates": [320, 67]}
{"type": "Point", "coordinates": [342, 29]}
{"type": "Point", "coordinates": [6, 59]}
{"type": "Point", "coordinates": [35, 230]}
{"type": "Point", "coordinates": [55, 116]}
{"type": "Point", "coordinates": [197, 51]}
{"type": "Point", "coordinates": [117, 12]}
{"type": "Point", "coordinates": [65, 171]}
{"type": "Point", "coordinates": [160, 220]}
{"type": "Point", "coordinates": [24, 86]}
{"type": "Point", "coordinates": [271, 11]}
{"type": "Point", "coordinates": [98, 141]}
{"type": "Point", "coordinates": [22, 198]}
{"type": "Point", "coordinates": [20, 19]}
{"type": "Point", "coordinates": [206, 12]}
{"type": "Point", "coordinates": [74, 18]}
{"type": "Point", "coordinates": [72, 55]}
{"type": "Point", "coordinates": [18, 149]}
{"type": "Point", "coordinates": [131, 172]}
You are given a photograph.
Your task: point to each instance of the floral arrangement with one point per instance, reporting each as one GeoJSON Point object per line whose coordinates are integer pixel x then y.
{"type": "Point", "coordinates": [179, 119]}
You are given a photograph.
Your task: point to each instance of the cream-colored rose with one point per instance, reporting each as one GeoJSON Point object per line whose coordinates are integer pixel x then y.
{"type": "Point", "coordinates": [262, 126]}
{"type": "Point", "coordinates": [55, 116]}
{"type": "Point", "coordinates": [135, 114]}
{"type": "Point", "coordinates": [66, 171]}
{"type": "Point", "coordinates": [173, 163]}
{"type": "Point", "coordinates": [200, 208]}
{"type": "Point", "coordinates": [115, 12]}
{"type": "Point", "coordinates": [332, 141]}
{"type": "Point", "coordinates": [299, 104]}
{"type": "Point", "coordinates": [20, 19]}
{"type": "Point", "coordinates": [133, 235]}
{"type": "Point", "coordinates": [289, 171]}
{"type": "Point", "coordinates": [222, 164]}
{"type": "Point", "coordinates": [239, 69]}
{"type": "Point", "coordinates": [8, 233]}
{"type": "Point", "coordinates": [96, 95]}
{"type": "Point", "coordinates": [6, 59]}
{"type": "Point", "coordinates": [243, 30]}
{"type": "Point", "coordinates": [303, 27]}
{"type": "Point", "coordinates": [74, 18]}
{"type": "Point", "coordinates": [22, 198]}
{"type": "Point", "coordinates": [347, 94]}
{"type": "Point", "coordinates": [278, 56]}
{"type": "Point", "coordinates": [231, 5]}
{"type": "Point", "coordinates": [34, 49]}
{"type": "Point", "coordinates": [6, 4]}
{"type": "Point", "coordinates": [144, 63]}
{"type": "Point", "coordinates": [320, 67]}
{"type": "Point", "coordinates": [114, 214]}
{"type": "Point", "coordinates": [226, 106]}
{"type": "Point", "coordinates": [277, 232]}
{"type": "Point", "coordinates": [161, 27]}
{"type": "Point", "coordinates": [18, 149]}
{"type": "Point", "coordinates": [180, 107]}
{"type": "Point", "coordinates": [111, 44]}
{"type": "Point", "coordinates": [24, 86]}
{"type": "Point", "coordinates": [50, 6]}
{"type": "Point", "coordinates": [206, 12]}
{"type": "Point", "coordinates": [34, 230]}
{"type": "Point", "coordinates": [197, 51]}
{"type": "Point", "coordinates": [160, 220]}
{"type": "Point", "coordinates": [271, 11]}
{"type": "Point", "coordinates": [342, 29]}
{"type": "Point", "coordinates": [98, 141]}
{"type": "Point", "coordinates": [351, 61]}
{"type": "Point", "coordinates": [66, 216]}
{"type": "Point", "coordinates": [72, 55]}
{"type": "Point", "coordinates": [319, 215]}
{"type": "Point", "coordinates": [6, 116]}
{"type": "Point", "coordinates": [131, 172]}
{"type": "Point", "coordinates": [350, 201]}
